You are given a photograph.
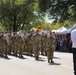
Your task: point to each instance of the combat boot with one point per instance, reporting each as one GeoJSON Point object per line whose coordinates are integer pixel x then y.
{"type": "Point", "coordinates": [36, 57]}
{"type": "Point", "coordinates": [52, 61]}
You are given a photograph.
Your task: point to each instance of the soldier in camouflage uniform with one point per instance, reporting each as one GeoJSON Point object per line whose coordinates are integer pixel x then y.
{"type": "Point", "coordinates": [50, 47]}
{"type": "Point", "coordinates": [24, 42]}
{"type": "Point", "coordinates": [1, 51]}
{"type": "Point", "coordinates": [4, 47]}
{"type": "Point", "coordinates": [14, 47]}
{"type": "Point", "coordinates": [45, 44]}
{"type": "Point", "coordinates": [55, 43]}
{"type": "Point", "coordinates": [10, 44]}
{"type": "Point", "coordinates": [36, 44]}
{"type": "Point", "coordinates": [26, 47]}
{"type": "Point", "coordinates": [20, 46]}
{"type": "Point", "coordinates": [30, 42]}
{"type": "Point", "coordinates": [42, 43]}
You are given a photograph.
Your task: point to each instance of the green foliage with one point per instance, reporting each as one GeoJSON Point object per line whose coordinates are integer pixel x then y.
{"type": "Point", "coordinates": [14, 14]}
{"type": "Point", "coordinates": [44, 5]}
{"type": "Point", "coordinates": [2, 28]}
{"type": "Point", "coordinates": [59, 9]}
{"type": "Point", "coordinates": [19, 14]}
{"type": "Point", "coordinates": [51, 26]}
{"type": "Point", "coordinates": [68, 23]}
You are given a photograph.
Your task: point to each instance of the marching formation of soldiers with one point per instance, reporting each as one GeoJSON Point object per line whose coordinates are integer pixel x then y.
{"type": "Point", "coordinates": [33, 44]}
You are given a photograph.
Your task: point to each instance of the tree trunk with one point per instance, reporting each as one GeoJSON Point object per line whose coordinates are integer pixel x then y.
{"type": "Point", "coordinates": [15, 25]}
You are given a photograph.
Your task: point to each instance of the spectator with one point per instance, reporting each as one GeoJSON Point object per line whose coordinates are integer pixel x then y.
{"type": "Point", "coordinates": [73, 38]}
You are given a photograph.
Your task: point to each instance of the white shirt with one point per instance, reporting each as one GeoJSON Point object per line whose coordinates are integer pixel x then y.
{"type": "Point", "coordinates": [73, 38]}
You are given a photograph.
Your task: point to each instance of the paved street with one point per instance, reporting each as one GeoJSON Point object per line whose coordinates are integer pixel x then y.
{"type": "Point", "coordinates": [28, 66]}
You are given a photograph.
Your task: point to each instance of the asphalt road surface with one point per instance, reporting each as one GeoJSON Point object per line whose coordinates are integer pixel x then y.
{"type": "Point", "coordinates": [29, 66]}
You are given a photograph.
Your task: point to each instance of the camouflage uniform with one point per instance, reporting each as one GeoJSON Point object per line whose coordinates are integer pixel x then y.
{"type": "Point", "coordinates": [45, 44]}
{"type": "Point", "coordinates": [1, 51]}
{"type": "Point", "coordinates": [14, 47]}
{"type": "Point", "coordinates": [30, 42]}
{"type": "Point", "coordinates": [20, 46]}
{"type": "Point", "coordinates": [4, 46]}
{"type": "Point", "coordinates": [12, 44]}
{"type": "Point", "coordinates": [36, 45]}
{"type": "Point", "coordinates": [26, 47]}
{"type": "Point", "coordinates": [50, 48]}
{"type": "Point", "coordinates": [42, 45]}
{"type": "Point", "coordinates": [9, 45]}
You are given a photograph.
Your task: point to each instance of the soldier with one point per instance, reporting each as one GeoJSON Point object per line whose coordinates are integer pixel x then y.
{"type": "Point", "coordinates": [42, 43]}
{"type": "Point", "coordinates": [14, 44]}
{"type": "Point", "coordinates": [20, 45]}
{"type": "Point", "coordinates": [55, 43]}
{"type": "Point", "coordinates": [30, 41]}
{"type": "Point", "coordinates": [10, 43]}
{"type": "Point", "coordinates": [45, 44]}
{"type": "Point", "coordinates": [26, 47]}
{"type": "Point", "coordinates": [1, 51]}
{"type": "Point", "coordinates": [36, 44]}
{"type": "Point", "coordinates": [4, 46]}
{"type": "Point", "coordinates": [50, 47]}
{"type": "Point", "coordinates": [25, 42]}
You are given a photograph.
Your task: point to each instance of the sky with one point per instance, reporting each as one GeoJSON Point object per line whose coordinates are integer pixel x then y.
{"type": "Point", "coordinates": [47, 19]}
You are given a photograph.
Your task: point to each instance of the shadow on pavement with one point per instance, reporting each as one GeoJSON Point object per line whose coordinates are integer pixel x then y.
{"type": "Point", "coordinates": [55, 63]}
{"type": "Point", "coordinates": [41, 59]}
{"type": "Point", "coordinates": [7, 58]}
{"type": "Point", "coordinates": [22, 58]}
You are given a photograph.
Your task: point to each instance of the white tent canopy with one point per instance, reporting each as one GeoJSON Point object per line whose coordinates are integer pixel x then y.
{"type": "Point", "coordinates": [61, 29]}
{"type": "Point", "coordinates": [54, 31]}
{"type": "Point", "coordinates": [64, 32]}
{"type": "Point", "coordinates": [72, 28]}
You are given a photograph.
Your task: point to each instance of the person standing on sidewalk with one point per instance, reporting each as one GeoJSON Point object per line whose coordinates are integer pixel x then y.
{"type": "Point", "coordinates": [73, 38]}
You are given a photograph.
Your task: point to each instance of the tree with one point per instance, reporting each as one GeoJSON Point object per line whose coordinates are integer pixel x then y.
{"type": "Point", "coordinates": [14, 14]}
{"type": "Point", "coordinates": [59, 9]}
